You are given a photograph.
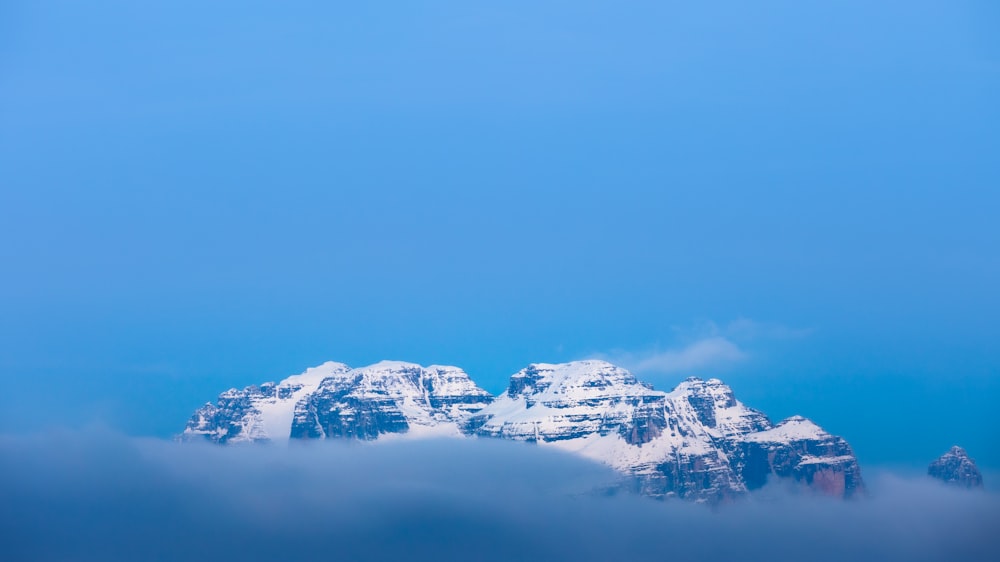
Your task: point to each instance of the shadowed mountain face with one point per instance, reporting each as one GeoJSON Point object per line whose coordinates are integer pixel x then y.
{"type": "Point", "coordinates": [956, 468]}
{"type": "Point", "coordinates": [696, 442]}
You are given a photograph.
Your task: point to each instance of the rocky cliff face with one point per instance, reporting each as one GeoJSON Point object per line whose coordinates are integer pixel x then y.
{"type": "Point", "coordinates": [696, 442]}
{"type": "Point", "coordinates": [258, 413]}
{"type": "Point", "coordinates": [800, 450]}
{"type": "Point", "coordinates": [956, 468]}
{"type": "Point", "coordinates": [335, 401]}
{"type": "Point", "coordinates": [389, 398]}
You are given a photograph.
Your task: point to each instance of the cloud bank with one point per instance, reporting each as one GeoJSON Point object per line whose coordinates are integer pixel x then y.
{"type": "Point", "coordinates": [99, 496]}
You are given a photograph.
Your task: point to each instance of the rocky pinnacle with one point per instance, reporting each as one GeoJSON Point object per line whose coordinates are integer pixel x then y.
{"type": "Point", "coordinates": [956, 468]}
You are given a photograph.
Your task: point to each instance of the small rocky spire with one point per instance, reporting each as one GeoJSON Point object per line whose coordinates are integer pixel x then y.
{"type": "Point", "coordinates": [956, 468]}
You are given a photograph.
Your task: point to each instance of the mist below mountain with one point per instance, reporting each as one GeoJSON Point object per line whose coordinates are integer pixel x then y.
{"type": "Point", "coordinates": [96, 495]}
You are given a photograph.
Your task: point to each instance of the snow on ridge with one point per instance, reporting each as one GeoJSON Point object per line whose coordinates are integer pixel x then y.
{"type": "Point", "coordinates": [808, 459]}
{"type": "Point", "coordinates": [274, 417]}
{"type": "Point", "coordinates": [315, 375]}
{"type": "Point", "coordinates": [591, 378]}
{"type": "Point", "coordinates": [691, 383]}
{"type": "Point", "coordinates": [388, 367]}
{"type": "Point", "coordinates": [956, 451]}
{"type": "Point", "coordinates": [790, 429]}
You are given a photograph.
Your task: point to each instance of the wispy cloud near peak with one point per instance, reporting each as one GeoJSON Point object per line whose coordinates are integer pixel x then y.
{"type": "Point", "coordinates": [705, 353]}
{"type": "Point", "coordinates": [705, 347]}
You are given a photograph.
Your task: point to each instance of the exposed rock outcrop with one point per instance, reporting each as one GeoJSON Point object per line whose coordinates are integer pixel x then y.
{"type": "Point", "coordinates": [956, 468]}
{"type": "Point", "coordinates": [335, 401]}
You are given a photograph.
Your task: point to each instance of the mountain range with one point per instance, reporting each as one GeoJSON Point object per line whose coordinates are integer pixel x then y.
{"type": "Point", "coordinates": [696, 442]}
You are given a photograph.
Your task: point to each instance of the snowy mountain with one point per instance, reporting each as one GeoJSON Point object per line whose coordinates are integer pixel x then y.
{"type": "Point", "coordinates": [258, 413]}
{"type": "Point", "coordinates": [390, 397]}
{"type": "Point", "coordinates": [333, 400]}
{"type": "Point", "coordinates": [956, 468]}
{"type": "Point", "coordinates": [696, 442]}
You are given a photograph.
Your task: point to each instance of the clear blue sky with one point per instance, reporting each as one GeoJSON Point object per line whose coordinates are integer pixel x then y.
{"type": "Point", "coordinates": [801, 199]}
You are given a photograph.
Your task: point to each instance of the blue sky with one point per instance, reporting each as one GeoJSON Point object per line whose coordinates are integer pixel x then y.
{"type": "Point", "coordinates": [801, 200]}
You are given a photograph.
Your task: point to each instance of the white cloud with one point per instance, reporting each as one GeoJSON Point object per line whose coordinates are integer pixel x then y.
{"type": "Point", "coordinates": [702, 354]}
{"type": "Point", "coordinates": [704, 347]}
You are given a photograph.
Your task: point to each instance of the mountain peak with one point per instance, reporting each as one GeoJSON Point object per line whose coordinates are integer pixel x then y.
{"type": "Point", "coordinates": [700, 383]}
{"type": "Point", "coordinates": [334, 399]}
{"type": "Point", "coordinates": [956, 468]}
{"type": "Point", "coordinates": [552, 381]}
{"type": "Point", "coordinates": [957, 451]}
{"type": "Point", "coordinates": [790, 429]}
{"type": "Point", "coordinates": [316, 374]}
{"type": "Point", "coordinates": [389, 366]}
{"type": "Point", "coordinates": [389, 398]}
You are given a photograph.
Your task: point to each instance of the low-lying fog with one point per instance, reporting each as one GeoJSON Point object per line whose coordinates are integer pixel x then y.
{"type": "Point", "coordinates": [95, 495]}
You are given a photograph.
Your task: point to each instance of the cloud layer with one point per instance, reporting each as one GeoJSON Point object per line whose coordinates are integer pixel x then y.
{"type": "Point", "coordinates": [94, 496]}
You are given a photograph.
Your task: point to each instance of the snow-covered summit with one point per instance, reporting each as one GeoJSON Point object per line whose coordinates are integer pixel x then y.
{"type": "Point", "coordinates": [718, 409]}
{"type": "Point", "coordinates": [390, 397]}
{"type": "Point", "coordinates": [554, 402]}
{"type": "Point", "coordinates": [790, 429]}
{"type": "Point", "coordinates": [555, 383]}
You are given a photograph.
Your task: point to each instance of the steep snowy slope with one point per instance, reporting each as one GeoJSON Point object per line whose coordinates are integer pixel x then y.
{"type": "Point", "coordinates": [258, 413]}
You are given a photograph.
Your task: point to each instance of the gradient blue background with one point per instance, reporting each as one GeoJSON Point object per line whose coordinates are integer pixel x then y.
{"type": "Point", "coordinates": [200, 195]}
